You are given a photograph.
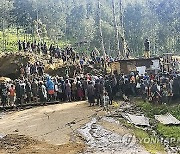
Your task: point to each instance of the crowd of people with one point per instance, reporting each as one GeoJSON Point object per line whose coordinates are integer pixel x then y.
{"type": "Point", "coordinates": [34, 85]}
{"type": "Point", "coordinates": [67, 54]}
{"type": "Point", "coordinates": [54, 51]}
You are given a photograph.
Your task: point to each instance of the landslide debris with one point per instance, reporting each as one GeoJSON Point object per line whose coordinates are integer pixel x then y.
{"type": "Point", "coordinates": [10, 64]}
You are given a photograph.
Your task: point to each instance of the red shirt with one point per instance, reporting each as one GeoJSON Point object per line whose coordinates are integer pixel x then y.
{"type": "Point", "coordinates": [12, 92]}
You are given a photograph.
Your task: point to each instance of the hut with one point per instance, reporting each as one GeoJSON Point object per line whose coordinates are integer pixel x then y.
{"type": "Point", "coordinates": [141, 65]}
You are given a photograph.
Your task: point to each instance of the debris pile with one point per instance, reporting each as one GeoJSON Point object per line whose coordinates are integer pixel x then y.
{"type": "Point", "coordinates": [10, 64]}
{"type": "Point", "coordinates": [101, 140]}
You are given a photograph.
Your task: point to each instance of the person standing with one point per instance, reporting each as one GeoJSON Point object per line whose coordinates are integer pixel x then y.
{"type": "Point", "coordinates": [4, 94]}
{"type": "Point", "coordinates": [68, 90]}
{"type": "Point", "coordinates": [34, 87]}
{"type": "Point", "coordinates": [105, 101]}
{"type": "Point", "coordinates": [24, 46]}
{"type": "Point", "coordinates": [12, 95]}
{"type": "Point", "coordinates": [90, 93]}
{"type": "Point", "coordinates": [50, 89]}
{"type": "Point", "coordinates": [19, 45]}
{"type": "Point", "coordinates": [147, 49]}
{"type": "Point", "coordinates": [80, 91]}
{"type": "Point", "coordinates": [74, 90]}
{"type": "Point", "coordinates": [108, 88]}
{"type": "Point", "coordinates": [42, 93]}
{"type": "Point", "coordinates": [28, 91]}
{"type": "Point", "coordinates": [18, 93]}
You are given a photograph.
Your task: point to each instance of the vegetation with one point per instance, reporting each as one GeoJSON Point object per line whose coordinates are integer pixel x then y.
{"type": "Point", "coordinates": [152, 147]}
{"type": "Point", "coordinates": [142, 135]}
{"type": "Point", "coordinates": [108, 25]}
{"type": "Point", "coordinates": [166, 131]}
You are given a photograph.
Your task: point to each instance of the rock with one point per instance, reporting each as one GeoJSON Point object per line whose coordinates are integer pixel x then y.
{"type": "Point", "coordinates": [16, 130]}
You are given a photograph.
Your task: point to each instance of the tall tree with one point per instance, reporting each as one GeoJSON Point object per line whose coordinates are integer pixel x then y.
{"type": "Point", "coordinates": [100, 28]}
{"type": "Point", "coordinates": [115, 29]}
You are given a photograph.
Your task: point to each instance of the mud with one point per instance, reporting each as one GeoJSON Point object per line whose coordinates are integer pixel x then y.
{"type": "Point", "coordinates": [101, 140]}
{"type": "Point", "coordinates": [20, 144]}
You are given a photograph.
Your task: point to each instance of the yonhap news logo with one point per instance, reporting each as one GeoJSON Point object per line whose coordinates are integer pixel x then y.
{"type": "Point", "coordinates": [130, 140]}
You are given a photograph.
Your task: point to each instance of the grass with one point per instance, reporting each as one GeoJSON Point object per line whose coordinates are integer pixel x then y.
{"type": "Point", "coordinates": [147, 141]}
{"type": "Point", "coordinates": [142, 136]}
{"type": "Point", "coordinates": [166, 131]}
{"type": "Point", "coordinates": [11, 39]}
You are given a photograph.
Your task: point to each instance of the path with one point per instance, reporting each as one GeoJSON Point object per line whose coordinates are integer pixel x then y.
{"type": "Point", "coordinates": [58, 124]}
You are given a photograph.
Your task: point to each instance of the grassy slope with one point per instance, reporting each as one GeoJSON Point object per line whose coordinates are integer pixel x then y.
{"type": "Point", "coordinates": [151, 110]}
{"type": "Point", "coordinates": [12, 39]}
{"type": "Point", "coordinates": [140, 134]}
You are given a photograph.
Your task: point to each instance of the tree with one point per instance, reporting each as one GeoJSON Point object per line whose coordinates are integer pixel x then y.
{"type": "Point", "coordinates": [5, 18]}
{"type": "Point", "coordinates": [116, 29]}
{"type": "Point", "coordinates": [100, 28]}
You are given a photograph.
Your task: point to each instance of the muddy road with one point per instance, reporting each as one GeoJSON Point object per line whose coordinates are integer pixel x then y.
{"type": "Point", "coordinates": [64, 128]}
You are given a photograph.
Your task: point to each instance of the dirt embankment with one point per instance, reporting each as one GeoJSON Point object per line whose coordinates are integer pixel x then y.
{"type": "Point", "coordinates": [21, 144]}
{"type": "Point", "coordinates": [10, 64]}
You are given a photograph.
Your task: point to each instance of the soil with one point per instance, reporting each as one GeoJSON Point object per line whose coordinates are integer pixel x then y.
{"type": "Point", "coordinates": [10, 64]}
{"type": "Point", "coordinates": [21, 144]}
{"type": "Point", "coordinates": [63, 129]}
{"type": "Point", "coordinates": [49, 128]}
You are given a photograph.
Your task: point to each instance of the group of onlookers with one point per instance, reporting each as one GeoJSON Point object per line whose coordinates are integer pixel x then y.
{"type": "Point", "coordinates": [35, 86]}
{"type": "Point", "coordinates": [40, 87]}
{"type": "Point", "coordinates": [67, 54]}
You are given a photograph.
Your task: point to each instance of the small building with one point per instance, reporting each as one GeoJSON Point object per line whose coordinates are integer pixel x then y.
{"type": "Point", "coordinates": [167, 61]}
{"type": "Point", "coordinates": [141, 65]}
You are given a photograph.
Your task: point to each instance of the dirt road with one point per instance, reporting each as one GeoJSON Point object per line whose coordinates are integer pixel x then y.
{"type": "Point", "coordinates": [53, 124]}
{"type": "Point", "coordinates": [54, 129]}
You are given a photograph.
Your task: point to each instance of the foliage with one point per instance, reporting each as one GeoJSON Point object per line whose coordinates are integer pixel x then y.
{"type": "Point", "coordinates": [142, 135]}
{"type": "Point", "coordinates": [77, 20]}
{"type": "Point", "coordinates": [150, 110]}
{"type": "Point", "coordinates": [151, 147]}
{"type": "Point", "coordinates": [12, 39]}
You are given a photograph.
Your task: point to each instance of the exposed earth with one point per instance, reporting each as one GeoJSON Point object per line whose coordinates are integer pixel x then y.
{"type": "Point", "coordinates": [68, 128]}
{"type": "Point", "coordinates": [10, 64]}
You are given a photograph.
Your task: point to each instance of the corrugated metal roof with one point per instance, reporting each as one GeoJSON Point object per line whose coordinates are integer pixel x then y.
{"type": "Point", "coordinates": [167, 119]}
{"type": "Point", "coordinates": [136, 119]}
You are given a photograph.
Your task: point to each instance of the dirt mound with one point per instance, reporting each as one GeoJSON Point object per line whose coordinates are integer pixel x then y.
{"type": "Point", "coordinates": [21, 144]}
{"type": "Point", "coordinates": [10, 64]}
